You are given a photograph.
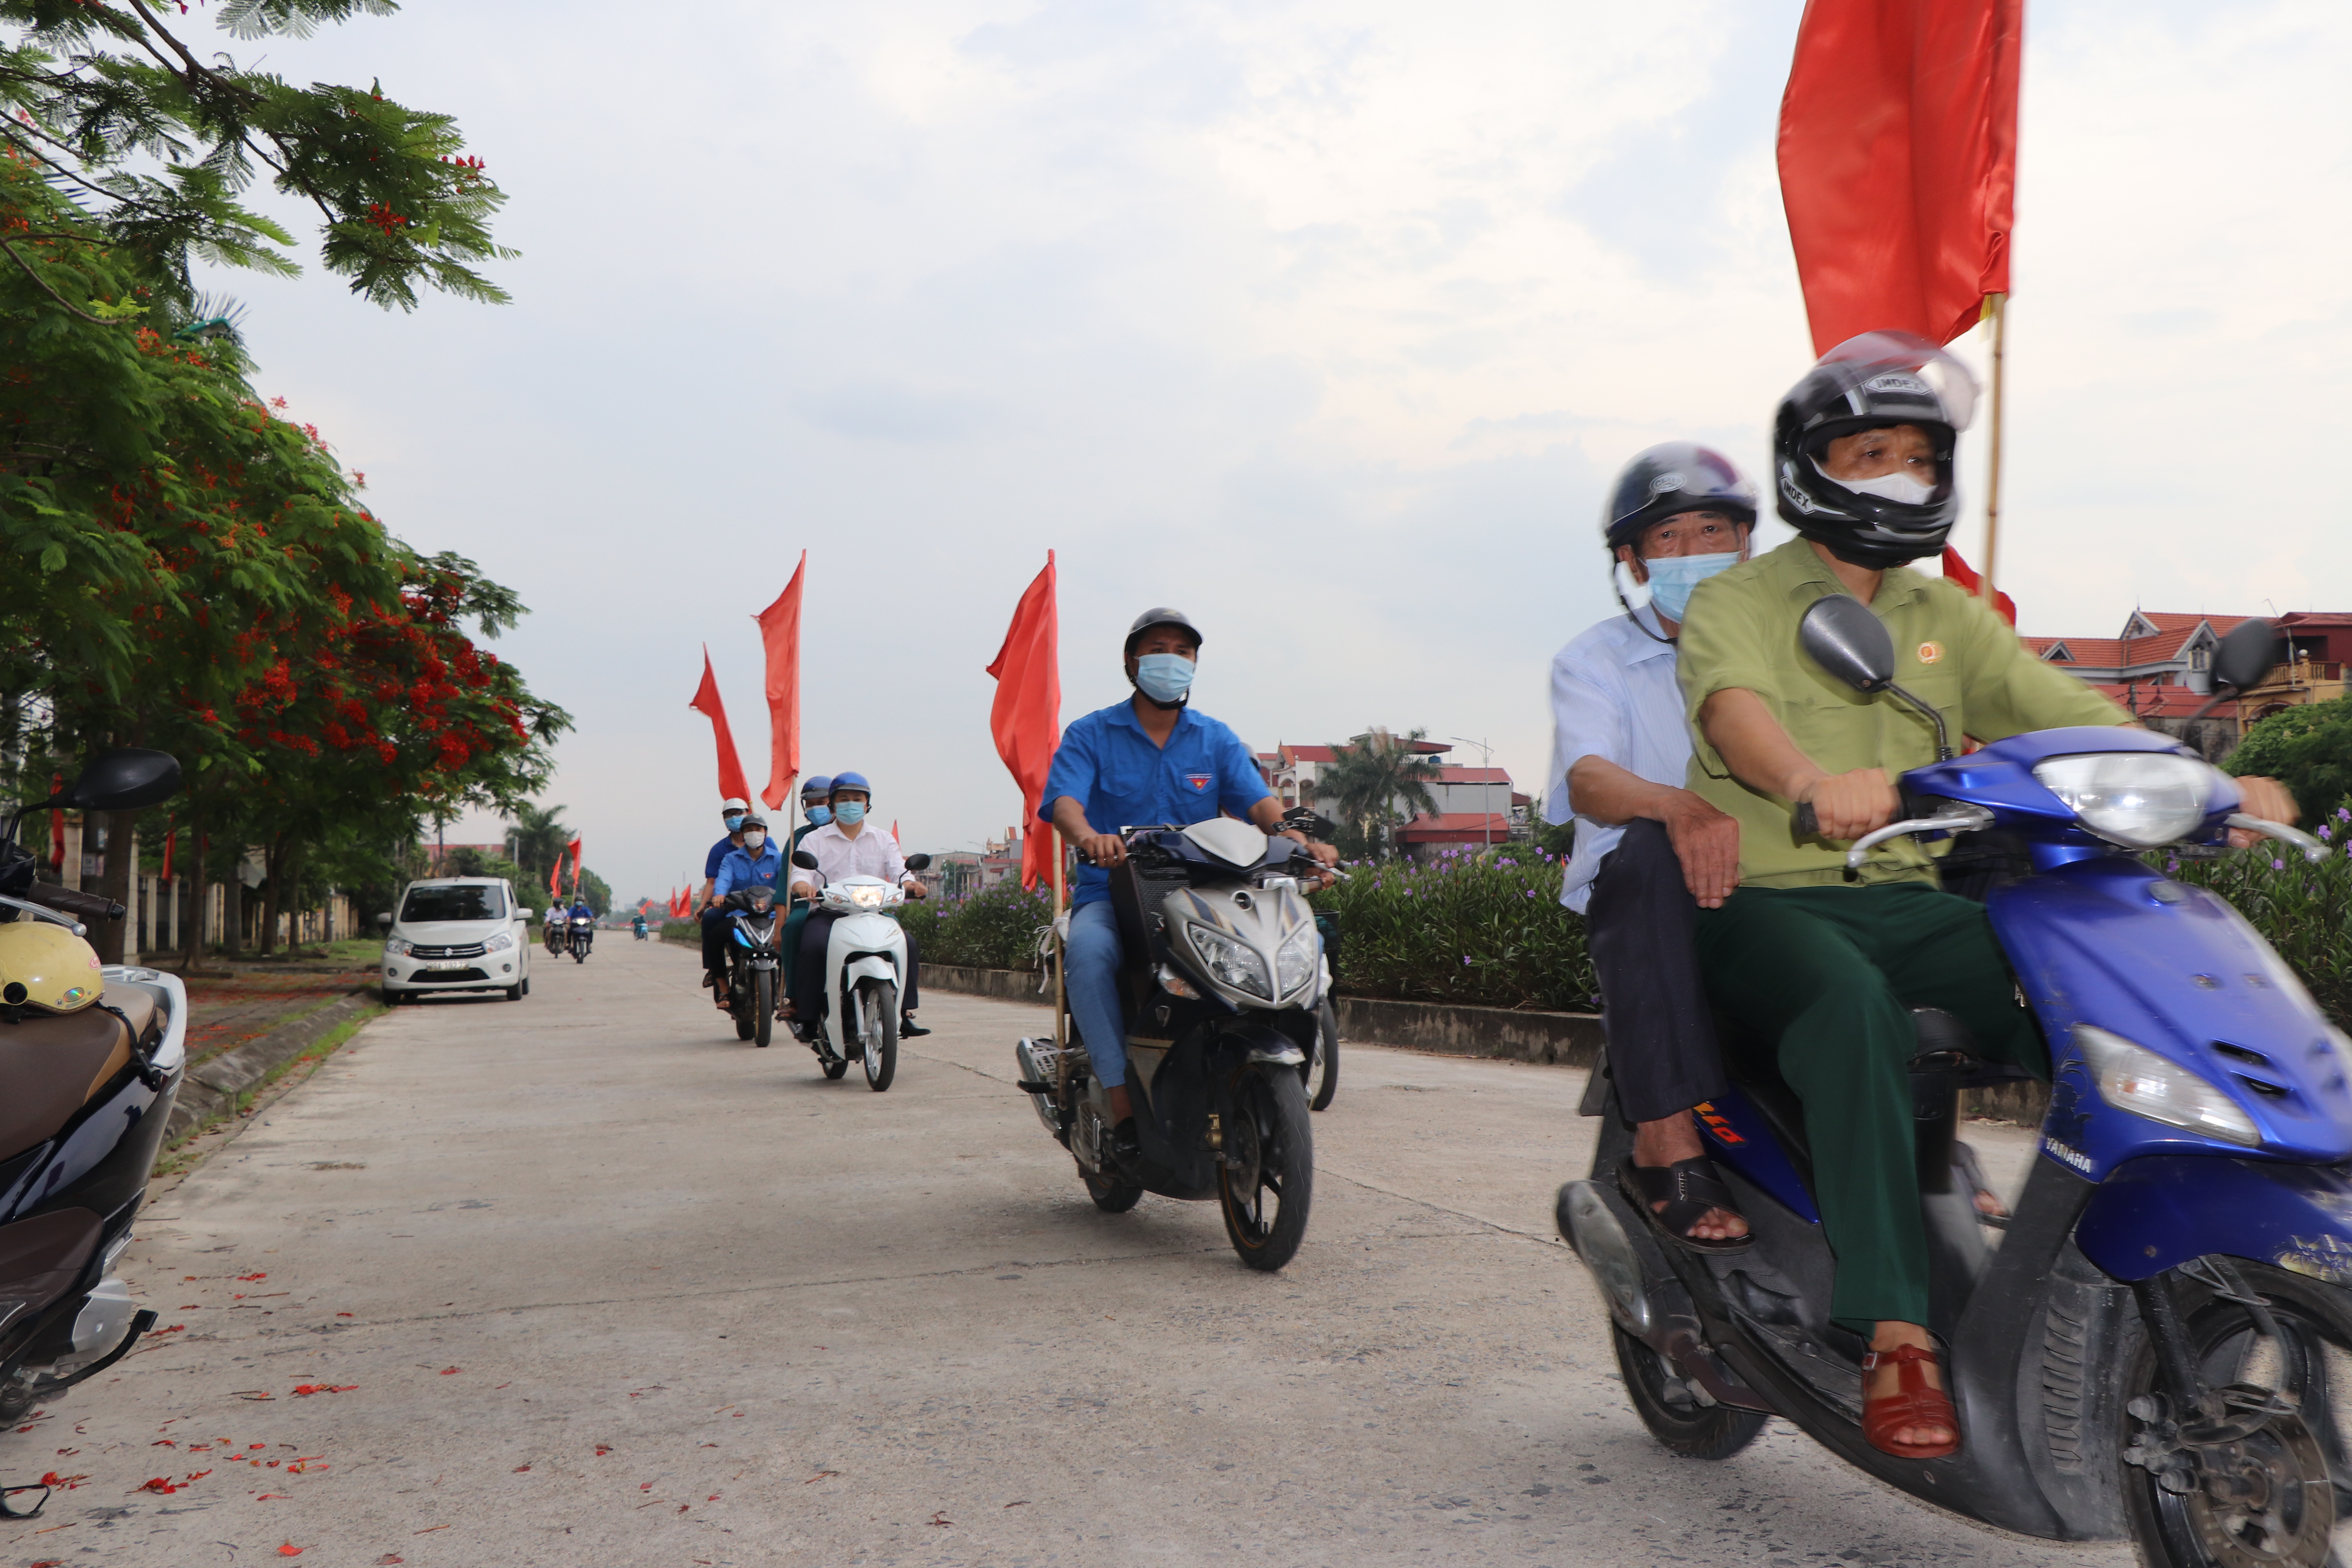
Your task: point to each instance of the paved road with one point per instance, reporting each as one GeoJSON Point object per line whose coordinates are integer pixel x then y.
{"type": "Point", "coordinates": [597, 1285]}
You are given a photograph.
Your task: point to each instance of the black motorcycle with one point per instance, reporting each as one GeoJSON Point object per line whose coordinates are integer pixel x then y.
{"type": "Point", "coordinates": [583, 933]}
{"type": "Point", "coordinates": [1221, 988]}
{"type": "Point", "coordinates": [89, 1093]}
{"type": "Point", "coordinates": [755, 960]}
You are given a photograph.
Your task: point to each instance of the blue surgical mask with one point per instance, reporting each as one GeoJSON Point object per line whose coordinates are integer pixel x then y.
{"type": "Point", "coordinates": [849, 812]}
{"type": "Point", "coordinates": [1163, 676]}
{"type": "Point", "coordinates": [734, 819]}
{"type": "Point", "coordinates": [1672, 578]}
{"type": "Point", "coordinates": [820, 815]}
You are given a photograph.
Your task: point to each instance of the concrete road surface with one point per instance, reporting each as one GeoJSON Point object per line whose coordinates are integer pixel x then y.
{"type": "Point", "coordinates": [583, 1281]}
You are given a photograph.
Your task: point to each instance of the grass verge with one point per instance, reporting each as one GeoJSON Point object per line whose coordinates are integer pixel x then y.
{"type": "Point", "coordinates": [196, 1145]}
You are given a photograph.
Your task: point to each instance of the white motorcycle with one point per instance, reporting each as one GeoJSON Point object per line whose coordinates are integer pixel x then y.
{"type": "Point", "coordinates": [864, 975]}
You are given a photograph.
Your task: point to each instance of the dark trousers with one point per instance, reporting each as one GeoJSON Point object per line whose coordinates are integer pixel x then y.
{"type": "Point", "coordinates": [808, 968]}
{"type": "Point", "coordinates": [1640, 928]}
{"type": "Point", "coordinates": [1830, 974]}
{"type": "Point", "coordinates": [715, 924]}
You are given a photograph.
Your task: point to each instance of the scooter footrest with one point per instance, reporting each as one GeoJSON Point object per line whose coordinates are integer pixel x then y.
{"type": "Point", "coordinates": [1025, 1087]}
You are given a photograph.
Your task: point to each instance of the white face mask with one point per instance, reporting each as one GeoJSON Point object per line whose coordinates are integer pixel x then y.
{"type": "Point", "coordinates": [1898, 488]}
{"type": "Point", "coordinates": [753, 839]}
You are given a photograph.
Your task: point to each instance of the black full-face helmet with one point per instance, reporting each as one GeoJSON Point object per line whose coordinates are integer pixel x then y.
{"type": "Point", "coordinates": [1872, 382]}
{"type": "Point", "coordinates": [1670, 478]}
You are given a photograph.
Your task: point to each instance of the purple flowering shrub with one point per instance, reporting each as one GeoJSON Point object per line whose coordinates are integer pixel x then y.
{"type": "Point", "coordinates": [2300, 908]}
{"type": "Point", "coordinates": [1489, 933]}
{"type": "Point", "coordinates": [994, 930]}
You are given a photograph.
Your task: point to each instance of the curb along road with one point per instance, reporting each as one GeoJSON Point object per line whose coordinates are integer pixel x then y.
{"type": "Point", "coordinates": [212, 1087]}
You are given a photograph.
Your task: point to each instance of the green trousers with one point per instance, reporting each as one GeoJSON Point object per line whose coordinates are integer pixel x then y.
{"type": "Point", "coordinates": [1827, 975]}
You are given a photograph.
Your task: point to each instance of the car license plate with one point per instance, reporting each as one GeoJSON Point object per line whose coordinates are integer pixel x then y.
{"type": "Point", "coordinates": [447, 963]}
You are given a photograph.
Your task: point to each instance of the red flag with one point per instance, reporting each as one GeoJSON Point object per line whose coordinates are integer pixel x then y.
{"type": "Point", "coordinates": [1026, 717]}
{"type": "Point", "coordinates": [1967, 577]}
{"type": "Point", "coordinates": [57, 823]}
{"type": "Point", "coordinates": [1898, 162]}
{"type": "Point", "coordinates": [555, 877]}
{"type": "Point", "coordinates": [894, 830]}
{"type": "Point", "coordinates": [170, 842]}
{"type": "Point", "coordinates": [574, 847]}
{"type": "Point", "coordinates": [678, 905]}
{"type": "Point", "coordinates": [731, 768]}
{"type": "Point", "coordinates": [780, 634]}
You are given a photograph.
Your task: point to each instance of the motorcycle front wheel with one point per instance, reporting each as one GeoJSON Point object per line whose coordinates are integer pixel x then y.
{"type": "Point", "coordinates": [763, 1005]}
{"type": "Point", "coordinates": [2277, 1496]}
{"type": "Point", "coordinates": [736, 1009]}
{"type": "Point", "coordinates": [1323, 1071]}
{"type": "Point", "coordinates": [877, 1031]}
{"type": "Point", "coordinates": [1112, 1195]}
{"type": "Point", "coordinates": [1267, 1179]}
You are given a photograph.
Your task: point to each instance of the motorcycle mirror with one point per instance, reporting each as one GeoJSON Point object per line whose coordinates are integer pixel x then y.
{"type": "Point", "coordinates": [804, 860]}
{"type": "Point", "coordinates": [2248, 653]}
{"type": "Point", "coordinates": [1843, 638]}
{"type": "Point", "coordinates": [918, 862]}
{"type": "Point", "coordinates": [384, 921]}
{"type": "Point", "coordinates": [123, 779]}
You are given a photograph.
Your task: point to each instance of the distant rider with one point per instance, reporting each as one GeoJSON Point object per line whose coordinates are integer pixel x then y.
{"type": "Point", "coordinates": [758, 863]}
{"type": "Point", "coordinates": [581, 911]}
{"type": "Point", "coordinates": [816, 791]}
{"type": "Point", "coordinates": [849, 845]}
{"type": "Point", "coordinates": [1148, 760]}
{"type": "Point", "coordinates": [714, 929]}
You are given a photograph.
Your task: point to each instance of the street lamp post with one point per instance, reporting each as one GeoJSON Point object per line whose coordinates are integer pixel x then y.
{"type": "Point", "coordinates": [1486, 764]}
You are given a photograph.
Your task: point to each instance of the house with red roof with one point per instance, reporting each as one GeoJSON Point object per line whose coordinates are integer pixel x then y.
{"type": "Point", "coordinates": [2160, 668]}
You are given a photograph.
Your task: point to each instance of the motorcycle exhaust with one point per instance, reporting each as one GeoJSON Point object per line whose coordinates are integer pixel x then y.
{"type": "Point", "coordinates": [1587, 1224]}
{"type": "Point", "coordinates": [1039, 1061]}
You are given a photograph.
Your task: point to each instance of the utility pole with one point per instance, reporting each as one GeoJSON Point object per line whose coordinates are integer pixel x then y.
{"type": "Point", "coordinates": [1486, 764]}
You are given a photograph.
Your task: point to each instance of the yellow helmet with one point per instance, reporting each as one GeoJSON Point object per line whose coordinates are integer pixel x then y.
{"type": "Point", "coordinates": [45, 967]}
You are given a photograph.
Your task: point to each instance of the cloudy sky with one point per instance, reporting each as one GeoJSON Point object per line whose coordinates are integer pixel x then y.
{"type": "Point", "coordinates": [1327, 322]}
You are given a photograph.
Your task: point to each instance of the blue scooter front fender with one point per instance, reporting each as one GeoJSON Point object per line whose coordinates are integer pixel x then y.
{"type": "Point", "coordinates": [2159, 1211]}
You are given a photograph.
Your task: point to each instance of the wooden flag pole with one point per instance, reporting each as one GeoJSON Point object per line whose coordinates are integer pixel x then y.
{"type": "Point", "coordinates": [1995, 309]}
{"type": "Point", "coordinates": [1061, 1000]}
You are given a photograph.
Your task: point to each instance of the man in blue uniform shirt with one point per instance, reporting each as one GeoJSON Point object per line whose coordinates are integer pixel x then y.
{"type": "Point", "coordinates": [758, 863]}
{"type": "Point", "coordinates": [714, 935]}
{"type": "Point", "coordinates": [1146, 761]}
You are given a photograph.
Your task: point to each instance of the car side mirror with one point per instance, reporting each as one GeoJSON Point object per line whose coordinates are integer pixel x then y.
{"type": "Point", "coordinates": [1843, 638]}
{"type": "Point", "coordinates": [384, 921]}
{"type": "Point", "coordinates": [2248, 654]}
{"type": "Point", "coordinates": [918, 862]}
{"type": "Point", "coordinates": [804, 860]}
{"type": "Point", "coordinates": [123, 779]}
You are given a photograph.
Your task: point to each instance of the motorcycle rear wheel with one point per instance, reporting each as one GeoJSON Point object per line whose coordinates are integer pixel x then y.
{"type": "Point", "coordinates": [1112, 1195]}
{"type": "Point", "coordinates": [1323, 1070]}
{"type": "Point", "coordinates": [876, 1012]}
{"type": "Point", "coordinates": [763, 1005]}
{"type": "Point", "coordinates": [1266, 1135]}
{"type": "Point", "coordinates": [2311, 1522]}
{"type": "Point", "coordinates": [836, 1070]}
{"type": "Point", "coordinates": [1686, 1427]}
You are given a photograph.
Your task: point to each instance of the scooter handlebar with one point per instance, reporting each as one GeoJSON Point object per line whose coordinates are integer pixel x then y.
{"type": "Point", "coordinates": [67, 900]}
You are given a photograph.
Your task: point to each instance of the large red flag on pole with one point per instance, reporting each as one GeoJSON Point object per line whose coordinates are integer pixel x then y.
{"type": "Point", "coordinates": [1956, 568]}
{"type": "Point", "coordinates": [780, 634]}
{"type": "Point", "coordinates": [1026, 717]}
{"type": "Point", "coordinates": [573, 849]}
{"type": "Point", "coordinates": [730, 768]}
{"type": "Point", "coordinates": [1898, 169]}
{"type": "Point", "coordinates": [1899, 162]}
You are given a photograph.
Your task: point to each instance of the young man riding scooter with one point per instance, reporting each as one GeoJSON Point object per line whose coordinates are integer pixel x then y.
{"type": "Point", "coordinates": [758, 863]}
{"type": "Point", "coordinates": [1649, 853]}
{"type": "Point", "coordinates": [816, 791]}
{"type": "Point", "coordinates": [1825, 969]}
{"type": "Point", "coordinates": [714, 926]}
{"type": "Point", "coordinates": [1146, 761]}
{"type": "Point", "coordinates": [849, 845]}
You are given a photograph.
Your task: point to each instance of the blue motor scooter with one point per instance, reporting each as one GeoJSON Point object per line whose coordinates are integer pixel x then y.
{"type": "Point", "coordinates": [2160, 1343]}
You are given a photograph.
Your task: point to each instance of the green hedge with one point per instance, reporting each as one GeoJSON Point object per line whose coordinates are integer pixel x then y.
{"type": "Point", "coordinates": [1491, 932]}
{"type": "Point", "coordinates": [2302, 909]}
{"type": "Point", "coordinates": [994, 930]}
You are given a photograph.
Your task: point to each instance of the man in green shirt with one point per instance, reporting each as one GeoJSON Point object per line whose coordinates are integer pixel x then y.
{"type": "Point", "coordinates": [1826, 968]}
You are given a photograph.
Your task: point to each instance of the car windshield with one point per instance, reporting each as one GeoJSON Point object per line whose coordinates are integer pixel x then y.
{"type": "Point", "coordinates": [464, 902]}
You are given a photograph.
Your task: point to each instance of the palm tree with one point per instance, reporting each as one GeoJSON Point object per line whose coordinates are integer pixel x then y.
{"type": "Point", "coordinates": [1376, 783]}
{"type": "Point", "coordinates": [536, 838]}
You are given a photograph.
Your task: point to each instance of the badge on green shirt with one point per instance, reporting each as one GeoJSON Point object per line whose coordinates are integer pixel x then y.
{"type": "Point", "coordinates": [1950, 651]}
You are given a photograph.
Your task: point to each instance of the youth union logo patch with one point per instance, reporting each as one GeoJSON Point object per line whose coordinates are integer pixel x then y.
{"type": "Point", "coordinates": [1200, 782]}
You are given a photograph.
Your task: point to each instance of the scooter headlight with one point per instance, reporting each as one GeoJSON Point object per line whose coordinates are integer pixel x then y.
{"type": "Point", "coordinates": [2138, 799]}
{"type": "Point", "coordinates": [2132, 1077]}
{"type": "Point", "coordinates": [1233, 964]}
{"type": "Point", "coordinates": [1294, 966]}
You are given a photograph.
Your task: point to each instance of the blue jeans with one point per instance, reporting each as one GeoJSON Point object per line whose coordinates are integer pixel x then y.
{"type": "Point", "coordinates": [1090, 978]}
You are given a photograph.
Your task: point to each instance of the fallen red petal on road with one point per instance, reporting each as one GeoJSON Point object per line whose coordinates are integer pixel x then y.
{"type": "Point", "coordinates": [448, 1371]}
{"type": "Point", "coordinates": [159, 1484]}
{"type": "Point", "coordinates": [249, 1279]}
{"type": "Point", "coordinates": [520, 1468]}
{"type": "Point", "coordinates": [288, 1549]}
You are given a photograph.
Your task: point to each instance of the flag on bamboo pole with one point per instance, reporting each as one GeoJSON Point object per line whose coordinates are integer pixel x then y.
{"type": "Point", "coordinates": [170, 842]}
{"type": "Point", "coordinates": [57, 823]}
{"type": "Point", "coordinates": [573, 850]}
{"type": "Point", "coordinates": [1899, 162]}
{"type": "Point", "coordinates": [1026, 717]}
{"type": "Point", "coordinates": [1960, 572]}
{"type": "Point", "coordinates": [780, 638]}
{"type": "Point", "coordinates": [731, 766]}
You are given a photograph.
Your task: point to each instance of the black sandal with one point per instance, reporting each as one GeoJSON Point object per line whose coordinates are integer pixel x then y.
{"type": "Point", "coordinates": [1688, 1188]}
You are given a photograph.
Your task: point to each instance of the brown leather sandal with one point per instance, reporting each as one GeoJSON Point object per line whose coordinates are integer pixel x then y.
{"type": "Point", "coordinates": [1688, 1188]}
{"type": "Point", "coordinates": [1913, 1404]}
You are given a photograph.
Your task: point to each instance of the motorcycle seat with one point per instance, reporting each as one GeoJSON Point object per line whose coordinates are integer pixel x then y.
{"type": "Point", "coordinates": [54, 1065]}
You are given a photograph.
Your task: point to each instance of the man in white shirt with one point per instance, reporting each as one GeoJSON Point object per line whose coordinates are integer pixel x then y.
{"type": "Point", "coordinates": [1649, 852]}
{"type": "Point", "coordinates": [848, 846]}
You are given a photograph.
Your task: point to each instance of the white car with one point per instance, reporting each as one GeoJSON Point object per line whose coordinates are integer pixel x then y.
{"type": "Point", "coordinates": [456, 933]}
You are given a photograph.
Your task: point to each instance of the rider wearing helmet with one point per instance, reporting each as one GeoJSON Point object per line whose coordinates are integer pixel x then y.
{"type": "Point", "coordinates": [1824, 970]}
{"type": "Point", "coordinates": [1149, 759]}
{"type": "Point", "coordinates": [816, 790]}
{"type": "Point", "coordinates": [848, 846]}
{"type": "Point", "coordinates": [714, 934]}
{"type": "Point", "coordinates": [758, 863]}
{"type": "Point", "coordinates": [1649, 852]}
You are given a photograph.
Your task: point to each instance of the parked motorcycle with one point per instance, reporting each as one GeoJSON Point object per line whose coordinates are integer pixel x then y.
{"type": "Point", "coordinates": [2160, 1344]}
{"type": "Point", "coordinates": [584, 932]}
{"type": "Point", "coordinates": [755, 929]}
{"type": "Point", "coordinates": [1221, 988]}
{"type": "Point", "coordinates": [864, 975]}
{"type": "Point", "coordinates": [89, 1087]}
